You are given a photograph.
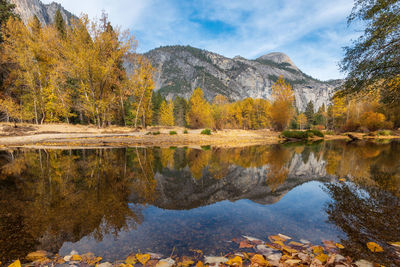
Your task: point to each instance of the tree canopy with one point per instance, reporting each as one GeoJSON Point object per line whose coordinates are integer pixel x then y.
{"type": "Point", "coordinates": [372, 62]}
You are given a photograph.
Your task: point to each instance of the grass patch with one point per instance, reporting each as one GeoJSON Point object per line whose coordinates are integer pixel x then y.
{"type": "Point", "coordinates": [301, 135]}
{"type": "Point", "coordinates": [185, 131]}
{"type": "Point", "coordinates": [205, 148]}
{"type": "Point", "coordinates": [155, 133]}
{"type": "Point", "coordinates": [172, 133]}
{"type": "Point", "coordinates": [206, 131]}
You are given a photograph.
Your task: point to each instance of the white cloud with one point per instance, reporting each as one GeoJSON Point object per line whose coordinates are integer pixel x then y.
{"type": "Point", "coordinates": [312, 32]}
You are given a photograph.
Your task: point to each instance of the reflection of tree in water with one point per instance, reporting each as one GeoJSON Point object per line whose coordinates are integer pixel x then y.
{"type": "Point", "coordinates": [365, 214]}
{"type": "Point", "coordinates": [49, 197]}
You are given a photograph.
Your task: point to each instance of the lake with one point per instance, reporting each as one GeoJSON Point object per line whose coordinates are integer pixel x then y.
{"type": "Point", "coordinates": [116, 201]}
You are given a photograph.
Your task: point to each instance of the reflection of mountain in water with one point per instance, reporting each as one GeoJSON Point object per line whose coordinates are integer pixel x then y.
{"type": "Point", "coordinates": [179, 190]}
{"type": "Point", "coordinates": [49, 197]}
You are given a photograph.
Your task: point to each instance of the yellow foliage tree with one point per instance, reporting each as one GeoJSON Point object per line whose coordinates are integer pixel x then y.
{"type": "Point", "coordinates": [167, 113]}
{"type": "Point", "coordinates": [282, 109]}
{"type": "Point", "coordinates": [301, 120]}
{"type": "Point", "coordinates": [199, 114]}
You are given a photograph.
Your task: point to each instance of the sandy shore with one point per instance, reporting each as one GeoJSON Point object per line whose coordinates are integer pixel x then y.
{"type": "Point", "coordinates": [61, 135]}
{"type": "Point", "coordinates": [81, 136]}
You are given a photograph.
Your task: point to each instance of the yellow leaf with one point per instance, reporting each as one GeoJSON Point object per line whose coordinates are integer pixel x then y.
{"type": "Point", "coordinates": [275, 238]}
{"type": "Point", "coordinates": [236, 261]}
{"type": "Point", "coordinates": [322, 257]}
{"type": "Point", "coordinates": [76, 258]}
{"type": "Point", "coordinates": [143, 258]}
{"type": "Point", "coordinates": [130, 260]}
{"type": "Point", "coordinates": [342, 180]}
{"type": "Point", "coordinates": [199, 264]}
{"type": "Point", "coordinates": [16, 263]}
{"type": "Point", "coordinates": [186, 263]}
{"type": "Point", "coordinates": [374, 247]}
{"type": "Point", "coordinates": [259, 260]}
{"type": "Point", "coordinates": [340, 246]}
{"type": "Point", "coordinates": [33, 256]}
{"type": "Point", "coordinates": [318, 250]}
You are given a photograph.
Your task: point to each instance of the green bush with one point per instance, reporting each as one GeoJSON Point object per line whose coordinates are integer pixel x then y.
{"type": "Point", "coordinates": [148, 133]}
{"type": "Point", "coordinates": [185, 131]}
{"type": "Point", "coordinates": [385, 132]}
{"type": "Point", "coordinates": [295, 134]}
{"type": "Point", "coordinates": [206, 131]}
{"type": "Point", "coordinates": [316, 133]}
{"type": "Point", "coordinates": [172, 133]}
{"type": "Point", "coordinates": [301, 134]}
{"type": "Point", "coordinates": [156, 133]}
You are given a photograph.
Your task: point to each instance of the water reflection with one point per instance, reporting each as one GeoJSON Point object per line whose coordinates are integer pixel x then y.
{"type": "Point", "coordinates": [50, 197]}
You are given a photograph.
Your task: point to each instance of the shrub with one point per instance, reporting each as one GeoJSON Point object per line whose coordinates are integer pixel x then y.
{"type": "Point", "coordinates": [205, 148]}
{"type": "Point", "coordinates": [385, 132]}
{"type": "Point", "coordinates": [172, 133]}
{"type": "Point", "coordinates": [295, 134]}
{"type": "Point", "coordinates": [329, 132]}
{"type": "Point", "coordinates": [318, 127]}
{"type": "Point", "coordinates": [206, 131]}
{"type": "Point", "coordinates": [156, 133]}
{"type": "Point", "coordinates": [316, 133]}
{"type": "Point", "coordinates": [148, 133]}
{"type": "Point", "coordinates": [373, 120]}
{"type": "Point", "coordinates": [301, 134]}
{"type": "Point", "coordinates": [185, 131]}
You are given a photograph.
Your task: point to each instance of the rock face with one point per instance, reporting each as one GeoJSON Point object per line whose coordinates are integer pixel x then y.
{"type": "Point", "coordinates": [27, 9]}
{"type": "Point", "coordinates": [180, 69]}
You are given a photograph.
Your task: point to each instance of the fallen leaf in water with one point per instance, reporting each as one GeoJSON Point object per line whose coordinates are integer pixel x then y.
{"type": "Point", "coordinates": [199, 264]}
{"type": "Point", "coordinates": [258, 260]}
{"type": "Point", "coordinates": [339, 246]}
{"type": "Point", "coordinates": [185, 262]}
{"type": "Point", "coordinates": [235, 261]}
{"type": "Point", "coordinates": [374, 247]}
{"type": "Point", "coordinates": [131, 259]}
{"type": "Point", "coordinates": [395, 244]}
{"type": "Point", "coordinates": [285, 236]}
{"type": "Point", "coordinates": [33, 256]}
{"type": "Point", "coordinates": [253, 240]}
{"type": "Point", "coordinates": [16, 263]}
{"type": "Point", "coordinates": [297, 244]}
{"type": "Point", "coordinates": [245, 244]}
{"type": "Point", "coordinates": [215, 260]}
{"type": "Point", "coordinates": [318, 250]}
{"type": "Point", "coordinates": [292, 262]}
{"type": "Point", "coordinates": [342, 180]}
{"type": "Point", "coordinates": [168, 262]}
{"type": "Point", "coordinates": [274, 238]}
{"type": "Point", "coordinates": [322, 257]}
{"type": "Point", "coordinates": [76, 258]}
{"type": "Point", "coordinates": [143, 258]}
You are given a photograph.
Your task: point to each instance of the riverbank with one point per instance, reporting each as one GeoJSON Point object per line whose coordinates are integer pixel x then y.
{"type": "Point", "coordinates": [81, 136]}
{"type": "Point", "coordinates": [279, 250]}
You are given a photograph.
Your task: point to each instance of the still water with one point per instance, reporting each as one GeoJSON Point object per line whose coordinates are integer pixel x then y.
{"type": "Point", "coordinates": [116, 201]}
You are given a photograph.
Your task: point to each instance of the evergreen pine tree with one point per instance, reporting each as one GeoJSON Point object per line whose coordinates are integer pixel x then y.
{"type": "Point", "coordinates": [60, 23]}
{"type": "Point", "coordinates": [309, 112]}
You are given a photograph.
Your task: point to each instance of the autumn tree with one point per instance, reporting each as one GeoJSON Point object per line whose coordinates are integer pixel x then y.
{"type": "Point", "coordinates": [199, 113]}
{"type": "Point", "coordinates": [167, 113]}
{"type": "Point", "coordinates": [282, 108]}
{"type": "Point", "coordinates": [372, 61]}
{"type": "Point", "coordinates": [301, 121]}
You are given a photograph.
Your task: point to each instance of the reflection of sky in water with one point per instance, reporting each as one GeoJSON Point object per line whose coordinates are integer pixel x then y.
{"type": "Point", "coordinates": [298, 214]}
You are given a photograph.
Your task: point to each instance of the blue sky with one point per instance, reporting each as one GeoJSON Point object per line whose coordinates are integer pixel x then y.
{"type": "Point", "coordinates": [311, 32]}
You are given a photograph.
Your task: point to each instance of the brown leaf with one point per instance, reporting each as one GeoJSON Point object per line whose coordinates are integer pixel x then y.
{"type": "Point", "coordinates": [245, 244]}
